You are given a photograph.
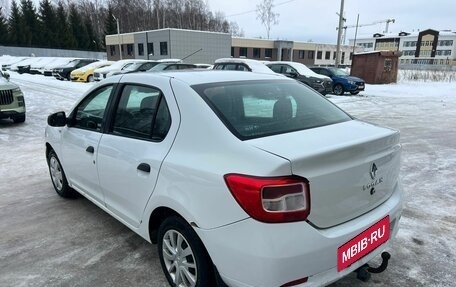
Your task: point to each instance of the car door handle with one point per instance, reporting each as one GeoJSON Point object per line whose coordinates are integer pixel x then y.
{"type": "Point", "coordinates": [144, 167]}
{"type": "Point", "coordinates": [90, 149]}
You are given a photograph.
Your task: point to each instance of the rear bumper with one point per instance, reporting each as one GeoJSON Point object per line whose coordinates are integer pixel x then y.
{"type": "Point", "coordinates": [251, 253]}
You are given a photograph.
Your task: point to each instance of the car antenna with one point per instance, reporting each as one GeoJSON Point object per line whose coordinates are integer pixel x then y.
{"type": "Point", "coordinates": [191, 54]}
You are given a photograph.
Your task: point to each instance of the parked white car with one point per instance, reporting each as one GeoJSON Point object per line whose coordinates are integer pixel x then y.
{"type": "Point", "coordinates": [101, 73]}
{"type": "Point", "coordinates": [240, 64]}
{"type": "Point", "coordinates": [241, 178]}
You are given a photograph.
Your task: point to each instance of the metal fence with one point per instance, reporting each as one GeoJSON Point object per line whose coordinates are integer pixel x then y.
{"type": "Point", "coordinates": [45, 52]}
{"type": "Point", "coordinates": [427, 67]}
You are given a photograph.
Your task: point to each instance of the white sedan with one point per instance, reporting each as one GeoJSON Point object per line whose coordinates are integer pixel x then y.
{"type": "Point", "coordinates": [242, 179]}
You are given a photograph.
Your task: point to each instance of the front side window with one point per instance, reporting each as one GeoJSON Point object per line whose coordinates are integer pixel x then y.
{"type": "Point", "coordinates": [276, 68]}
{"type": "Point", "coordinates": [142, 113]}
{"type": "Point", "coordinates": [90, 112]}
{"type": "Point", "coordinates": [254, 109]}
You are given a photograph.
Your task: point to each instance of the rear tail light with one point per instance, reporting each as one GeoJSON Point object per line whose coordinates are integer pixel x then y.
{"type": "Point", "coordinates": [271, 199]}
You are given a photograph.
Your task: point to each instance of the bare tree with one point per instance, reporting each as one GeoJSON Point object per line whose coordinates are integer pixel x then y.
{"type": "Point", "coordinates": [266, 15]}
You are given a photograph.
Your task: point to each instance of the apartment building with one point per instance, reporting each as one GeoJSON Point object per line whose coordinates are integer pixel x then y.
{"type": "Point", "coordinates": [428, 47]}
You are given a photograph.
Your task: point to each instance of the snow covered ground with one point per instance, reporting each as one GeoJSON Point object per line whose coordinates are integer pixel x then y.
{"type": "Point", "coordinates": [48, 241]}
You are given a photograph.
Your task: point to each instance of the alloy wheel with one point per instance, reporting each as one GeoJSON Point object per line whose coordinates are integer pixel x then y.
{"type": "Point", "coordinates": [56, 173]}
{"type": "Point", "coordinates": [179, 259]}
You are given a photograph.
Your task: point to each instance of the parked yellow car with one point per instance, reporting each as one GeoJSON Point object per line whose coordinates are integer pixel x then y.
{"type": "Point", "coordinates": [85, 74]}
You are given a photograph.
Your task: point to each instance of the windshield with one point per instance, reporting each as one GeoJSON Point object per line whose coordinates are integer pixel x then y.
{"type": "Point", "coordinates": [253, 109]}
{"type": "Point", "coordinates": [72, 63]}
{"type": "Point", "coordinates": [132, 67]}
{"type": "Point", "coordinates": [339, 72]}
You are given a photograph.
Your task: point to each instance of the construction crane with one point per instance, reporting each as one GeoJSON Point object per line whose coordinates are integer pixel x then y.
{"type": "Point", "coordinates": [387, 21]}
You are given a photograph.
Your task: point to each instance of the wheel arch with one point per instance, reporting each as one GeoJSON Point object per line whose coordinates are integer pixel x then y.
{"type": "Point", "coordinates": [156, 218]}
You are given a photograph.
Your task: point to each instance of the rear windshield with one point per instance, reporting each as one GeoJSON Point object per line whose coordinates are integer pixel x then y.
{"type": "Point", "coordinates": [254, 109]}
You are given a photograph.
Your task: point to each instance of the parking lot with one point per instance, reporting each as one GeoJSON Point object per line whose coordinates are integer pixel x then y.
{"type": "Point", "coordinates": [49, 241]}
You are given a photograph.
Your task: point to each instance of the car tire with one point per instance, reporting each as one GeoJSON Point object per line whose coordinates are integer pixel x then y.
{"type": "Point", "coordinates": [183, 258]}
{"type": "Point", "coordinates": [58, 177]}
{"type": "Point", "coordinates": [19, 119]}
{"type": "Point", "coordinates": [90, 79]}
{"type": "Point", "coordinates": [354, 93]}
{"type": "Point", "coordinates": [338, 90]}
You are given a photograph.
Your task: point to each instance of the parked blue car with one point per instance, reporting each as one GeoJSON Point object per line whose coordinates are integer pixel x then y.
{"type": "Point", "coordinates": [342, 82]}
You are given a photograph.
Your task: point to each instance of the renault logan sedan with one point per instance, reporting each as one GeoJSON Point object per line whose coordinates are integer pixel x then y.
{"type": "Point", "coordinates": [242, 179]}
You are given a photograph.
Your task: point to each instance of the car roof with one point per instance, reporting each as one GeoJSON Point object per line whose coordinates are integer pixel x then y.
{"type": "Point", "coordinates": [254, 65]}
{"type": "Point", "coordinates": [196, 77]}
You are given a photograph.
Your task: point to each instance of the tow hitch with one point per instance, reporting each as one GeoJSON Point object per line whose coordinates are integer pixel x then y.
{"type": "Point", "coordinates": [363, 273]}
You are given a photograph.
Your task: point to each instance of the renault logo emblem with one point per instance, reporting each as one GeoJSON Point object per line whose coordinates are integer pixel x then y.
{"type": "Point", "coordinates": [373, 171]}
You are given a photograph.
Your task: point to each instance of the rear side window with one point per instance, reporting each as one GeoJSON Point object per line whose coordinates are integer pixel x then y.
{"type": "Point", "coordinates": [254, 109]}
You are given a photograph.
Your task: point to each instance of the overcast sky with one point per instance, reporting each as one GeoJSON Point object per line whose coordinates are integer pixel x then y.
{"type": "Point", "coordinates": [316, 20]}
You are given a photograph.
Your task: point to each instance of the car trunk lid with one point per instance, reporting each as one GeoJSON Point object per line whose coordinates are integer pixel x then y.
{"type": "Point", "coordinates": [352, 167]}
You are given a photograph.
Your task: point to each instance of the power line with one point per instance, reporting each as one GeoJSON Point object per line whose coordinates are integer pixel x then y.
{"type": "Point", "coordinates": [252, 11]}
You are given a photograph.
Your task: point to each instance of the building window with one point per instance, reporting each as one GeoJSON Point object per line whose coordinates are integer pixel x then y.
{"type": "Point", "coordinates": [311, 55]}
{"type": "Point", "coordinates": [232, 51]}
{"type": "Point", "coordinates": [351, 56]}
{"type": "Point", "coordinates": [334, 55]}
{"type": "Point", "coordinates": [328, 55]}
{"type": "Point", "coordinates": [130, 49]}
{"type": "Point", "coordinates": [342, 59]}
{"type": "Point", "coordinates": [268, 53]}
{"type": "Point", "coordinates": [301, 54]}
{"type": "Point", "coordinates": [164, 48]}
{"type": "Point", "coordinates": [150, 49]}
{"type": "Point", "coordinates": [112, 49]}
{"type": "Point", "coordinates": [141, 49]}
{"type": "Point", "coordinates": [256, 52]}
{"type": "Point", "coordinates": [319, 55]}
{"type": "Point", "coordinates": [242, 52]}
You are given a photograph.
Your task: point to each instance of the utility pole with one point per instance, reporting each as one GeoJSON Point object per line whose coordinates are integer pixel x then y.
{"type": "Point", "coordinates": [339, 33]}
{"type": "Point", "coordinates": [118, 35]}
{"type": "Point", "coordinates": [356, 34]}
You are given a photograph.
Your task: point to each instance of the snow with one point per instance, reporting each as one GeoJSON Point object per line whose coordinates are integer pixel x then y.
{"type": "Point", "coordinates": [425, 249]}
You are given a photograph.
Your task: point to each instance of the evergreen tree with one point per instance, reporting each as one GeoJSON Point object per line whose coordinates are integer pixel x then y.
{"type": "Point", "coordinates": [64, 37]}
{"type": "Point", "coordinates": [3, 29]}
{"type": "Point", "coordinates": [30, 24]}
{"type": "Point", "coordinates": [77, 28]}
{"type": "Point", "coordinates": [48, 23]}
{"type": "Point", "coordinates": [110, 25]}
{"type": "Point", "coordinates": [93, 44]}
{"type": "Point", "coordinates": [15, 27]}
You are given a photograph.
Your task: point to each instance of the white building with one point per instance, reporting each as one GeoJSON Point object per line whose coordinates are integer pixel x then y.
{"type": "Point", "coordinates": [429, 47]}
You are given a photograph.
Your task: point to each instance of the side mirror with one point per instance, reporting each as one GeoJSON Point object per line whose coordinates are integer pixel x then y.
{"type": "Point", "coordinates": [6, 75]}
{"type": "Point", "coordinates": [57, 119]}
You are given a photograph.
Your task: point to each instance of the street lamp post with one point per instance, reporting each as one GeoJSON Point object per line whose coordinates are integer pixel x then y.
{"type": "Point", "coordinates": [118, 35]}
